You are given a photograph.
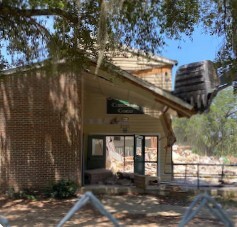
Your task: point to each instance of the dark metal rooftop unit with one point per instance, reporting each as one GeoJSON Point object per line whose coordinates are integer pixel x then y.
{"type": "Point", "coordinates": [197, 83]}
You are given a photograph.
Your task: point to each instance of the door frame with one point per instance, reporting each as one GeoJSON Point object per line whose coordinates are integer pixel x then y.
{"type": "Point", "coordinates": [143, 154]}
{"type": "Point", "coordinates": [127, 134]}
{"type": "Point", "coordinates": [100, 159]}
{"type": "Point", "coordinates": [139, 159]}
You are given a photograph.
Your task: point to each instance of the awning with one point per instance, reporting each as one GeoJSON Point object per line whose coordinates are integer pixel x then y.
{"type": "Point", "coordinates": [118, 84]}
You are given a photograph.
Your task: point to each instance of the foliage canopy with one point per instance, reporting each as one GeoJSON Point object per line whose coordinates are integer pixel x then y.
{"type": "Point", "coordinates": [34, 29]}
{"type": "Point", "coordinates": [213, 133]}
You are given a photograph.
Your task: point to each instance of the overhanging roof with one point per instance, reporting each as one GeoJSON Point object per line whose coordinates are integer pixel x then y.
{"type": "Point", "coordinates": [113, 82]}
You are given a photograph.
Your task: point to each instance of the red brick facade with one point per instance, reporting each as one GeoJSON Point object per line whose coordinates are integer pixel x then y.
{"type": "Point", "coordinates": [40, 128]}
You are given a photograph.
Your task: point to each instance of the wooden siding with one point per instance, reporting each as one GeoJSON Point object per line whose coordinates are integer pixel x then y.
{"type": "Point", "coordinates": [130, 61]}
{"type": "Point", "coordinates": [96, 120]}
{"type": "Point", "coordinates": [160, 77]}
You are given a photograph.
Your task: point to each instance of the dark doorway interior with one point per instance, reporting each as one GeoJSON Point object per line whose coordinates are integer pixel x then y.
{"type": "Point", "coordinates": [96, 152]}
{"type": "Point", "coordinates": [123, 154]}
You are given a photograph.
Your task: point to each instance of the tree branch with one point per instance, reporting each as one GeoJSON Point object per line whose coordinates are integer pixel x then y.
{"type": "Point", "coordinates": [230, 113]}
{"type": "Point", "coordinates": [7, 11]}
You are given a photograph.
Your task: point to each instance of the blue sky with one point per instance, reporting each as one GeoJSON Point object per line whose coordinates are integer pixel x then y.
{"type": "Point", "coordinates": [202, 47]}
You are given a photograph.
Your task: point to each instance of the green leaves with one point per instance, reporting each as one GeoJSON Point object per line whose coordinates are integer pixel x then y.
{"type": "Point", "coordinates": [63, 189]}
{"type": "Point", "coordinates": [213, 133]}
{"type": "Point", "coordinates": [35, 25]}
{"type": "Point", "coordinates": [29, 28]}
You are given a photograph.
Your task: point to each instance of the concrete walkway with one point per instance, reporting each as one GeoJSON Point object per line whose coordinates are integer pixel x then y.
{"type": "Point", "coordinates": [165, 189]}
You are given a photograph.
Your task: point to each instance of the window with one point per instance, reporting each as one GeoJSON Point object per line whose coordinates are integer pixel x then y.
{"type": "Point", "coordinates": [167, 77]}
{"type": "Point", "coordinates": [97, 147]}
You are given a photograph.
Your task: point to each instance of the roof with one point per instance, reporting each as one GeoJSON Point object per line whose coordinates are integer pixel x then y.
{"type": "Point", "coordinates": [133, 60]}
{"type": "Point", "coordinates": [120, 84]}
{"type": "Point", "coordinates": [136, 91]}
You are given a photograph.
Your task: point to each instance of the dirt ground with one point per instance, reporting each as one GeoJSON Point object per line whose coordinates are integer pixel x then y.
{"type": "Point", "coordinates": [48, 212]}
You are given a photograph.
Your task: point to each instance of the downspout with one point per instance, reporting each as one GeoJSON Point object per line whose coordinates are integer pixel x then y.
{"type": "Point", "coordinates": [82, 131]}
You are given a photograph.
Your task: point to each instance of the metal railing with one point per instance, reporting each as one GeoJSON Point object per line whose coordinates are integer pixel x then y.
{"type": "Point", "coordinates": [206, 201]}
{"type": "Point", "coordinates": [205, 174]}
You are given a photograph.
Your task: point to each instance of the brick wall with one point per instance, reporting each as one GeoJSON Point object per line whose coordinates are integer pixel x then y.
{"type": "Point", "coordinates": [40, 128]}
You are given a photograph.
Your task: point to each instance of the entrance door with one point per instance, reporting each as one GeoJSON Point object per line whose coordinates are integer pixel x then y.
{"type": "Point", "coordinates": [151, 155]}
{"type": "Point", "coordinates": [96, 152]}
{"type": "Point", "coordinates": [139, 155]}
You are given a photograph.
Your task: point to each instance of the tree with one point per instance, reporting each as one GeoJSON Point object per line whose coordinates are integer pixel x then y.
{"type": "Point", "coordinates": [34, 29]}
{"type": "Point", "coordinates": [212, 133]}
{"type": "Point", "coordinates": [220, 17]}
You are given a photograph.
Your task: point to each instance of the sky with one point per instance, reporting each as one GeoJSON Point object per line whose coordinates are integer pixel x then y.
{"type": "Point", "coordinates": [202, 47]}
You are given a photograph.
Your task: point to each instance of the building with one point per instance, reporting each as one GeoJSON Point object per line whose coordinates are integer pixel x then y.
{"type": "Point", "coordinates": [154, 69]}
{"type": "Point", "coordinates": [59, 122]}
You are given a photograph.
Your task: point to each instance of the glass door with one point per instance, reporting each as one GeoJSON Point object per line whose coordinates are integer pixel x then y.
{"type": "Point", "coordinates": [151, 155]}
{"type": "Point", "coordinates": [139, 155]}
{"type": "Point", "coordinates": [96, 152]}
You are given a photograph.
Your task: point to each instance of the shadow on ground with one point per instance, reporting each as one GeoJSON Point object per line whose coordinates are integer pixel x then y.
{"type": "Point", "coordinates": [129, 210]}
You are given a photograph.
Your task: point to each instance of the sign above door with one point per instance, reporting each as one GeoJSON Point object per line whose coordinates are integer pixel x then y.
{"type": "Point", "coordinates": [115, 106]}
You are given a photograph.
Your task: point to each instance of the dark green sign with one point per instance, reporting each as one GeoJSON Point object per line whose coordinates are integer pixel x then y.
{"type": "Point", "coordinates": [115, 106]}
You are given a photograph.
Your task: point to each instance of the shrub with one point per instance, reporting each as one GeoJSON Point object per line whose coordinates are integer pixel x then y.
{"type": "Point", "coordinates": [63, 189]}
{"type": "Point", "coordinates": [22, 194]}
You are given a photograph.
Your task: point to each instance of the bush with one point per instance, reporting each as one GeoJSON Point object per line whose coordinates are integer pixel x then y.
{"type": "Point", "coordinates": [22, 194]}
{"type": "Point", "coordinates": [63, 189]}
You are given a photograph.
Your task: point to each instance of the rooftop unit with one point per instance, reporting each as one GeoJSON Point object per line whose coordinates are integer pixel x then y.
{"type": "Point", "coordinates": [197, 83]}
